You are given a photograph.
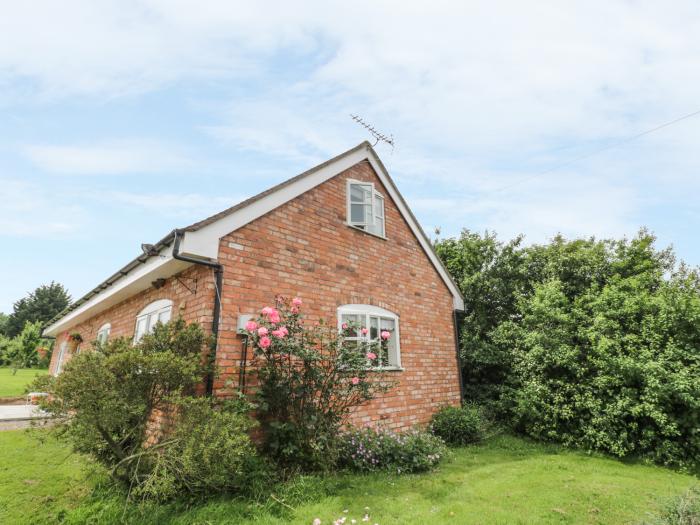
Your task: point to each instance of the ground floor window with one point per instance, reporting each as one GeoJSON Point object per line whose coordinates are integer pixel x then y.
{"type": "Point", "coordinates": [364, 322]}
{"type": "Point", "coordinates": [61, 356]}
{"type": "Point", "coordinates": [158, 311]}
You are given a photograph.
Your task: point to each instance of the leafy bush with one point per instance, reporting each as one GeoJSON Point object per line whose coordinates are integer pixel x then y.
{"type": "Point", "coordinates": [309, 379]}
{"type": "Point", "coordinates": [369, 449]}
{"type": "Point", "coordinates": [208, 451]}
{"type": "Point", "coordinates": [683, 510]}
{"type": "Point", "coordinates": [105, 399]}
{"type": "Point", "coordinates": [458, 425]}
{"type": "Point", "coordinates": [595, 344]}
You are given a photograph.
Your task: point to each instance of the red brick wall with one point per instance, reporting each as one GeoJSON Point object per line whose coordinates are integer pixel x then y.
{"type": "Point", "coordinates": [192, 307]}
{"type": "Point", "coordinates": [305, 248]}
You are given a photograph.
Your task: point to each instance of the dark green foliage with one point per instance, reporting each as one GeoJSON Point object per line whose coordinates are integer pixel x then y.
{"type": "Point", "coordinates": [369, 449]}
{"type": "Point", "coordinates": [492, 276]}
{"type": "Point", "coordinates": [458, 425]}
{"type": "Point", "coordinates": [600, 348]}
{"type": "Point", "coordinates": [309, 379]}
{"type": "Point", "coordinates": [41, 305]}
{"type": "Point", "coordinates": [103, 401]}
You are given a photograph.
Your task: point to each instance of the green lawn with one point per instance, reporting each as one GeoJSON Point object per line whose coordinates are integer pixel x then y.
{"type": "Point", "coordinates": [14, 385]}
{"type": "Point", "coordinates": [507, 480]}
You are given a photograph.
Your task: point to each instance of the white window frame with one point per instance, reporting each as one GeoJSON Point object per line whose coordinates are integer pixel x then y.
{"type": "Point", "coordinates": [376, 212]}
{"type": "Point", "coordinates": [61, 356]}
{"type": "Point", "coordinates": [368, 311]}
{"type": "Point", "coordinates": [103, 333]}
{"type": "Point", "coordinates": [150, 315]}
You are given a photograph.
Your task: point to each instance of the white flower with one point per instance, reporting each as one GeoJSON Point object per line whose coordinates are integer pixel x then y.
{"type": "Point", "coordinates": [317, 521]}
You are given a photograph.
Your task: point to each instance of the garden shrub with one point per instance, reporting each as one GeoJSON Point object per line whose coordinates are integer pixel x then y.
{"type": "Point", "coordinates": [458, 425]}
{"type": "Point", "coordinates": [370, 449]}
{"type": "Point", "coordinates": [208, 451]}
{"type": "Point", "coordinates": [590, 343]}
{"type": "Point", "coordinates": [682, 510]}
{"type": "Point", "coordinates": [104, 399]}
{"type": "Point", "coordinates": [309, 378]}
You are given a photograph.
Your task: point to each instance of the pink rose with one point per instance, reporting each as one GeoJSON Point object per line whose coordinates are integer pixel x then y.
{"type": "Point", "coordinates": [385, 335]}
{"type": "Point", "coordinates": [265, 342]}
{"type": "Point", "coordinates": [344, 326]}
{"type": "Point", "coordinates": [355, 380]}
{"type": "Point", "coordinates": [251, 326]}
{"type": "Point", "coordinates": [267, 310]}
{"type": "Point", "coordinates": [262, 331]}
{"type": "Point", "coordinates": [296, 301]}
{"type": "Point", "coordinates": [364, 331]}
{"type": "Point", "coordinates": [275, 317]}
{"type": "Point", "coordinates": [371, 355]}
{"type": "Point", "coordinates": [280, 332]}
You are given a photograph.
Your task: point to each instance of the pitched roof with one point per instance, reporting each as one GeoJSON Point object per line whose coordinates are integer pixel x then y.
{"type": "Point", "coordinates": [234, 217]}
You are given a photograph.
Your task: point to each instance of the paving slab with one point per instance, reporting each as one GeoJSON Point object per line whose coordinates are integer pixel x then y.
{"type": "Point", "coordinates": [20, 412]}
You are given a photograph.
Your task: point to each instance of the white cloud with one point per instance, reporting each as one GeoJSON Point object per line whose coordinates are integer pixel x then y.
{"type": "Point", "coordinates": [190, 206]}
{"type": "Point", "coordinates": [479, 95]}
{"type": "Point", "coordinates": [107, 158]}
{"type": "Point", "coordinates": [30, 210]}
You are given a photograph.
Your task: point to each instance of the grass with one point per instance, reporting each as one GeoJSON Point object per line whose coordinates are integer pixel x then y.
{"type": "Point", "coordinates": [506, 480]}
{"type": "Point", "coordinates": [14, 385]}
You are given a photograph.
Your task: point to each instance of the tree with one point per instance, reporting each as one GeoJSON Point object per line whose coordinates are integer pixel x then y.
{"type": "Point", "coordinates": [21, 351]}
{"type": "Point", "coordinates": [42, 305]}
{"type": "Point", "coordinates": [3, 323]}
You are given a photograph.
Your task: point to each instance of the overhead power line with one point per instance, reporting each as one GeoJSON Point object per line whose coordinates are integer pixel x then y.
{"type": "Point", "coordinates": [596, 152]}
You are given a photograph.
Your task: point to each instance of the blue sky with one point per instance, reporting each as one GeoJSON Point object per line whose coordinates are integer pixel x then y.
{"type": "Point", "coordinates": [122, 120]}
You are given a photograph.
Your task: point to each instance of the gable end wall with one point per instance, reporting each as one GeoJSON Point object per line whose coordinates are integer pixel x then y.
{"type": "Point", "coordinates": [304, 248]}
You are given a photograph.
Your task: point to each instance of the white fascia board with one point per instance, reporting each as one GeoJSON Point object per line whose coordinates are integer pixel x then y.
{"type": "Point", "coordinates": [205, 241]}
{"type": "Point", "coordinates": [140, 278]}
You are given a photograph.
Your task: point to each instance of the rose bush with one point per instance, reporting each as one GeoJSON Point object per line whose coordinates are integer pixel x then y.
{"type": "Point", "coordinates": [309, 379]}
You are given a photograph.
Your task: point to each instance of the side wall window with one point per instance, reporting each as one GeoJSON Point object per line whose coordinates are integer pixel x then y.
{"type": "Point", "coordinates": [158, 311]}
{"type": "Point", "coordinates": [103, 333]}
{"type": "Point", "coordinates": [61, 356]}
{"type": "Point", "coordinates": [365, 207]}
{"type": "Point", "coordinates": [372, 323]}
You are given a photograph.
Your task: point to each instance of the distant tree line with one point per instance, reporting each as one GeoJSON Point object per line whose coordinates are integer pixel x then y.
{"type": "Point", "coordinates": [591, 343]}
{"type": "Point", "coordinates": [20, 331]}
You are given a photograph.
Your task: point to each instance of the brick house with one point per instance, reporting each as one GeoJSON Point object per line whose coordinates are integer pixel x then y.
{"type": "Point", "coordinates": [341, 237]}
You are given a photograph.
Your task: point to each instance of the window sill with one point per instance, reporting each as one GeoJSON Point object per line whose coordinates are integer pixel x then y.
{"type": "Point", "coordinates": [386, 369]}
{"type": "Point", "coordinates": [366, 231]}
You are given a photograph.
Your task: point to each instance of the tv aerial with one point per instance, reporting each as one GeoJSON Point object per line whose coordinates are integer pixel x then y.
{"type": "Point", "coordinates": [378, 137]}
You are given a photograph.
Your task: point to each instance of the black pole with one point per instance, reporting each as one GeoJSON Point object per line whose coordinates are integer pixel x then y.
{"type": "Point", "coordinates": [455, 320]}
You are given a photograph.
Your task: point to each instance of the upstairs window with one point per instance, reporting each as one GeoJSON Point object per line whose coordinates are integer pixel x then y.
{"type": "Point", "coordinates": [103, 333]}
{"type": "Point", "coordinates": [367, 323]}
{"type": "Point", "coordinates": [158, 311]}
{"type": "Point", "coordinates": [365, 207]}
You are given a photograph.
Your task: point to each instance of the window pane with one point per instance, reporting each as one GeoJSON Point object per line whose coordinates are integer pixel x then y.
{"type": "Point", "coordinates": [369, 220]}
{"type": "Point", "coordinates": [353, 322]}
{"type": "Point", "coordinates": [164, 316]}
{"type": "Point", "coordinates": [391, 358]}
{"type": "Point", "coordinates": [373, 328]}
{"type": "Point", "coordinates": [361, 193]}
{"type": "Point", "coordinates": [140, 328]}
{"type": "Point", "coordinates": [357, 213]}
{"type": "Point", "coordinates": [379, 206]}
